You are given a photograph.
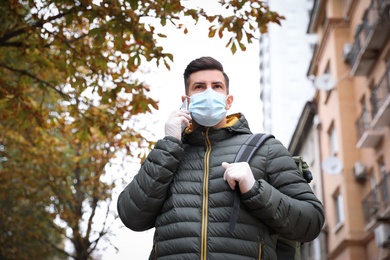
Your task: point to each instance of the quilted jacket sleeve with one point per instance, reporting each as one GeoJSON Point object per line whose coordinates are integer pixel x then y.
{"type": "Point", "coordinates": [284, 200]}
{"type": "Point", "coordinates": [142, 199]}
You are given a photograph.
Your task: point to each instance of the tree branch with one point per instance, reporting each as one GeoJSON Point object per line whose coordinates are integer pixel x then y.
{"type": "Point", "coordinates": [13, 44]}
{"type": "Point", "coordinates": [38, 24]}
{"type": "Point", "coordinates": [103, 231]}
{"type": "Point", "coordinates": [26, 73]}
{"type": "Point", "coordinates": [60, 250]}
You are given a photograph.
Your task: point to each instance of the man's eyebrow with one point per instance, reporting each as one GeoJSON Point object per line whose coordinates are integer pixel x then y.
{"type": "Point", "coordinates": [198, 82]}
{"type": "Point", "coordinates": [218, 82]}
{"type": "Point", "coordinates": [203, 83]}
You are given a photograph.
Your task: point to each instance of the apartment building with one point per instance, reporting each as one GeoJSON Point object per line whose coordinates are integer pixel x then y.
{"type": "Point", "coordinates": [344, 131]}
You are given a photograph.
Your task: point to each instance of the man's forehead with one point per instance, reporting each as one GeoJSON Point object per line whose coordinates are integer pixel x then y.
{"type": "Point", "coordinates": [207, 76]}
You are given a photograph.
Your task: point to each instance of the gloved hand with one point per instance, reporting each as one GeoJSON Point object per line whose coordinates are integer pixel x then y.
{"type": "Point", "coordinates": [240, 173]}
{"type": "Point", "coordinates": [175, 121]}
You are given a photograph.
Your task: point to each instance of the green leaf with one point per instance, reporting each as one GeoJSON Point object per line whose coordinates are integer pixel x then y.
{"type": "Point", "coordinates": [233, 48]}
{"type": "Point", "coordinates": [163, 21]}
{"type": "Point", "coordinates": [95, 31]}
{"type": "Point", "coordinates": [134, 4]}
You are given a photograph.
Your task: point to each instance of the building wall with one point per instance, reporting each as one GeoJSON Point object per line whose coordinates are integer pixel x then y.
{"type": "Point", "coordinates": [340, 108]}
{"type": "Point", "coordinates": [357, 208]}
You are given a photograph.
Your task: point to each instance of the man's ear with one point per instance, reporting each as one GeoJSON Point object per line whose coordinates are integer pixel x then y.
{"type": "Point", "coordinates": [229, 102]}
{"type": "Point", "coordinates": [185, 101]}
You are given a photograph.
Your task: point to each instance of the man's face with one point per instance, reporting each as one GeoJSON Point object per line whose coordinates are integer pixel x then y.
{"type": "Point", "coordinates": [204, 79]}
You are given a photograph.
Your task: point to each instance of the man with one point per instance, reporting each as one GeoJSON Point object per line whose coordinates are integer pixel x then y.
{"type": "Point", "coordinates": [185, 187]}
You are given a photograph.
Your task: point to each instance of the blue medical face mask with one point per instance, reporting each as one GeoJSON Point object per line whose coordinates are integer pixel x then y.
{"type": "Point", "coordinates": [208, 108]}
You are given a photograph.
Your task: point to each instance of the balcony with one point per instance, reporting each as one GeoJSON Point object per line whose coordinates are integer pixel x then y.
{"type": "Point", "coordinates": [368, 137]}
{"type": "Point", "coordinates": [376, 204]}
{"type": "Point", "coordinates": [380, 101]}
{"type": "Point", "coordinates": [370, 38]}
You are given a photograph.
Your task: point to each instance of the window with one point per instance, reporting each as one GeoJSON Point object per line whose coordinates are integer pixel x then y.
{"type": "Point", "coordinates": [329, 91]}
{"type": "Point", "coordinates": [382, 168]}
{"type": "Point", "coordinates": [339, 210]}
{"type": "Point", "coordinates": [374, 200]}
{"type": "Point", "coordinates": [333, 141]}
{"type": "Point", "coordinates": [384, 182]}
{"type": "Point", "coordinates": [372, 181]}
{"type": "Point", "coordinates": [365, 113]}
{"type": "Point", "coordinates": [312, 151]}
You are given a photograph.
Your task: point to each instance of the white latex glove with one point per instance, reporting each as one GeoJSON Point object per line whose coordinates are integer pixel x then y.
{"type": "Point", "coordinates": [175, 121]}
{"type": "Point", "coordinates": [240, 173]}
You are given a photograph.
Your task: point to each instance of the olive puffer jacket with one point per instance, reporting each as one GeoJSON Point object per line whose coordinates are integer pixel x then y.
{"type": "Point", "coordinates": [180, 191]}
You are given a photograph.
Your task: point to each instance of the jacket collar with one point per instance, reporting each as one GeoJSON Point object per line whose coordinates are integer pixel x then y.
{"type": "Point", "coordinates": [236, 124]}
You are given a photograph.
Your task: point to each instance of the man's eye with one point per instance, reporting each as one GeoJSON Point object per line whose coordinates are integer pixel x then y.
{"type": "Point", "coordinates": [198, 86]}
{"type": "Point", "coordinates": [218, 86]}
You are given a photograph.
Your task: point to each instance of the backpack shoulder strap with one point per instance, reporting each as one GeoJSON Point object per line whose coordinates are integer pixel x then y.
{"type": "Point", "coordinates": [244, 154]}
{"type": "Point", "coordinates": [249, 147]}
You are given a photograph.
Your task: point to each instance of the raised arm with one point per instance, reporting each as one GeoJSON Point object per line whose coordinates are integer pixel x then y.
{"type": "Point", "coordinates": [140, 202]}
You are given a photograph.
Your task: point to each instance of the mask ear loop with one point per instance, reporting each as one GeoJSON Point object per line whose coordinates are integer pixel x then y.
{"type": "Point", "coordinates": [184, 106]}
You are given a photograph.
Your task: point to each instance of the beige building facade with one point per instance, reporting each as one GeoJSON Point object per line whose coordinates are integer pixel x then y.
{"type": "Point", "coordinates": [344, 132]}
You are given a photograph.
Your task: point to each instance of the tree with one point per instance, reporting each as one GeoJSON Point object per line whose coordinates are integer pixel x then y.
{"type": "Point", "coordinates": [67, 93]}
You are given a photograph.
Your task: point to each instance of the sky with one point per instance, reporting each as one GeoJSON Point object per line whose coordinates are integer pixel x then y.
{"type": "Point", "coordinates": [168, 87]}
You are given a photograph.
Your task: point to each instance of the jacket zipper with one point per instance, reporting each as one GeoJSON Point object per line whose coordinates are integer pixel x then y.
{"type": "Point", "coordinates": [205, 198]}
{"type": "Point", "coordinates": [260, 251]}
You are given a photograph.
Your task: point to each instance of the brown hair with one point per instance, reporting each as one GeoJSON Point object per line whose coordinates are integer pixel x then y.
{"type": "Point", "coordinates": [203, 63]}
